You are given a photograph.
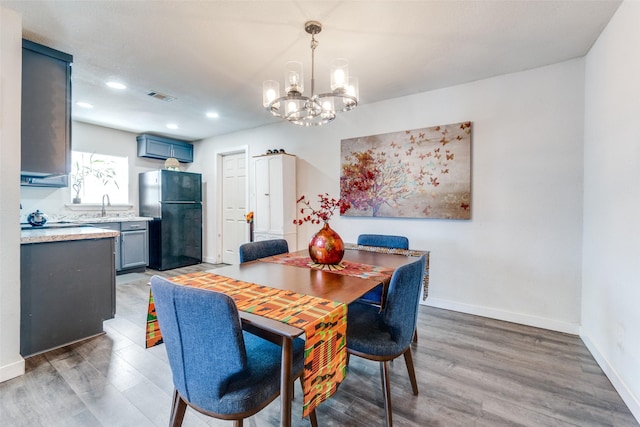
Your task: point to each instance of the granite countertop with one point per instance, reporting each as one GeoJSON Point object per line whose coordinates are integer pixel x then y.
{"type": "Point", "coordinates": [43, 235]}
{"type": "Point", "coordinates": [100, 219]}
{"type": "Point", "coordinates": [75, 229]}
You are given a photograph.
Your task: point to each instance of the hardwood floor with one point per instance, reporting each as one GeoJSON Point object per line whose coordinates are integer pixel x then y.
{"type": "Point", "coordinates": [471, 371]}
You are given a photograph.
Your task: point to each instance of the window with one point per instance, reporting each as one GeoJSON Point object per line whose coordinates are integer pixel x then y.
{"type": "Point", "coordinates": [93, 175]}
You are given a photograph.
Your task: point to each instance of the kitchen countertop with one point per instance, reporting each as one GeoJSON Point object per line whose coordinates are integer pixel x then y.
{"type": "Point", "coordinates": [43, 235]}
{"type": "Point", "coordinates": [77, 229]}
{"type": "Point", "coordinates": [102, 219]}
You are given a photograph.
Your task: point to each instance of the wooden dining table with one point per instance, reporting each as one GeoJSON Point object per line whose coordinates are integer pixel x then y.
{"type": "Point", "coordinates": [325, 289]}
{"type": "Point", "coordinates": [330, 285]}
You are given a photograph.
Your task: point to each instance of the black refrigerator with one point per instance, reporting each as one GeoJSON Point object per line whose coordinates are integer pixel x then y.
{"type": "Point", "coordinates": [174, 200]}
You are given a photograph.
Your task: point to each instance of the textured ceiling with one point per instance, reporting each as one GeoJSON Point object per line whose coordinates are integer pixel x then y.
{"type": "Point", "coordinates": [214, 55]}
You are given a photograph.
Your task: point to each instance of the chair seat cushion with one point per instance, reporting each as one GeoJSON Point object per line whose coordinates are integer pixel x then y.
{"type": "Point", "coordinates": [366, 332]}
{"type": "Point", "coordinates": [374, 296]}
{"type": "Point", "coordinates": [262, 379]}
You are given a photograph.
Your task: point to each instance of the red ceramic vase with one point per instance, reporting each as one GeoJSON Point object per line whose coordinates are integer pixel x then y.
{"type": "Point", "coordinates": [326, 246]}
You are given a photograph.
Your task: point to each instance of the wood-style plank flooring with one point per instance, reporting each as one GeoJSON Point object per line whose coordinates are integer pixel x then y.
{"type": "Point", "coordinates": [471, 371]}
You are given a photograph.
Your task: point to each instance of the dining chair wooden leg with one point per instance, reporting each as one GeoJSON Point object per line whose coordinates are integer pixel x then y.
{"type": "Point", "coordinates": [415, 336]}
{"type": "Point", "coordinates": [237, 423]}
{"type": "Point", "coordinates": [408, 359]}
{"type": "Point", "coordinates": [178, 408]}
{"type": "Point", "coordinates": [313, 419]}
{"type": "Point", "coordinates": [386, 389]}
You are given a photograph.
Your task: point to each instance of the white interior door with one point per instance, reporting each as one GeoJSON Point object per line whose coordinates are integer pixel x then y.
{"type": "Point", "coordinates": [234, 226]}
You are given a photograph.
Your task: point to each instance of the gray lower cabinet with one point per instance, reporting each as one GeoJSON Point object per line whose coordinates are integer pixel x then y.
{"type": "Point", "coordinates": [134, 241]}
{"type": "Point", "coordinates": [67, 290]}
{"type": "Point", "coordinates": [132, 246]}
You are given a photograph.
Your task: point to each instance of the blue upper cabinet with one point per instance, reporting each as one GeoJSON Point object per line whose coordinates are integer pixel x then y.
{"type": "Point", "coordinates": [157, 147]}
{"type": "Point", "coordinates": [46, 114]}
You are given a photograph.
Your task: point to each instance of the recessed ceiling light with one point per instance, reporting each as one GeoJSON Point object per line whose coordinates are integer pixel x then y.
{"type": "Point", "coordinates": [84, 104]}
{"type": "Point", "coordinates": [172, 126]}
{"type": "Point", "coordinates": [213, 115]}
{"type": "Point", "coordinates": [116, 85]}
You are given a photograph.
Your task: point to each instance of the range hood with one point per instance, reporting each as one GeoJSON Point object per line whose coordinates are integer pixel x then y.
{"type": "Point", "coordinates": [58, 181]}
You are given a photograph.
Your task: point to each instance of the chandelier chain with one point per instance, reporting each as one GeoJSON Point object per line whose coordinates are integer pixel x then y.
{"type": "Point", "coordinates": [314, 44]}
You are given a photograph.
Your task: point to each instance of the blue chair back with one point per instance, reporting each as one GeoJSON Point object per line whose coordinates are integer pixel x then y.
{"type": "Point", "coordinates": [400, 312]}
{"type": "Point", "coordinates": [384, 241]}
{"type": "Point", "coordinates": [202, 333]}
{"type": "Point", "coordinates": [262, 249]}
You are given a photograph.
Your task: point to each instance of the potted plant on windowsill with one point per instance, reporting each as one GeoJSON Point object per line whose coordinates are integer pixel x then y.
{"type": "Point", "coordinates": [97, 168]}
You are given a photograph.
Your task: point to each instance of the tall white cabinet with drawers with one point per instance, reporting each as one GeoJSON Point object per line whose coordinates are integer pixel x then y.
{"type": "Point", "coordinates": [275, 198]}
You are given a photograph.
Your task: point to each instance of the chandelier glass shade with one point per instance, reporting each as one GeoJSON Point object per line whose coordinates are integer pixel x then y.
{"type": "Point", "coordinates": [316, 109]}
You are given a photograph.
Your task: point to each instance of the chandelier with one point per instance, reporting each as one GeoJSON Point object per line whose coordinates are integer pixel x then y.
{"type": "Point", "coordinates": [317, 109]}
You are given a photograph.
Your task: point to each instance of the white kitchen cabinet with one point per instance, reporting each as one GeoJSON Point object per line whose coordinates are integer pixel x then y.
{"type": "Point", "coordinates": [275, 198]}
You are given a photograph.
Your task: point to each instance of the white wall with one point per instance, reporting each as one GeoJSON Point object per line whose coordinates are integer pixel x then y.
{"type": "Point", "coordinates": [611, 289]}
{"type": "Point", "coordinates": [92, 139]}
{"type": "Point", "coordinates": [11, 363]}
{"type": "Point", "coordinates": [519, 258]}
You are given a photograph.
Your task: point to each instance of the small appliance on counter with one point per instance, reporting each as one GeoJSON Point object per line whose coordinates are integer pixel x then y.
{"type": "Point", "coordinates": [37, 218]}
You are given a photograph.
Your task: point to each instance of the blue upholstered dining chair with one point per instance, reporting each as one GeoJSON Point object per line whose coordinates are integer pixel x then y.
{"type": "Point", "coordinates": [384, 241]}
{"type": "Point", "coordinates": [374, 296]}
{"type": "Point", "coordinates": [218, 369]}
{"type": "Point", "coordinates": [383, 335]}
{"type": "Point", "coordinates": [262, 249]}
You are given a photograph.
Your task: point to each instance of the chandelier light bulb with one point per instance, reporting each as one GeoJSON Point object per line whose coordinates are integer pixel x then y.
{"type": "Point", "coordinates": [353, 91]}
{"type": "Point", "coordinates": [270, 92]}
{"type": "Point", "coordinates": [339, 75]}
{"type": "Point", "coordinates": [293, 77]}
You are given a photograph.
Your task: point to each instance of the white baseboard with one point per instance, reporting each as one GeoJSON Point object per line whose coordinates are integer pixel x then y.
{"type": "Point", "coordinates": [508, 316]}
{"type": "Point", "coordinates": [12, 370]}
{"type": "Point", "coordinates": [632, 402]}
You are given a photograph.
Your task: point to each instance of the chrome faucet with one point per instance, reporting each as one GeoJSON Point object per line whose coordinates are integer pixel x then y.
{"type": "Point", "coordinates": [104, 211]}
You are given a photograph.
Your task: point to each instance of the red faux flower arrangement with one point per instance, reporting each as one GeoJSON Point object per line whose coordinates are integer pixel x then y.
{"type": "Point", "coordinates": [328, 206]}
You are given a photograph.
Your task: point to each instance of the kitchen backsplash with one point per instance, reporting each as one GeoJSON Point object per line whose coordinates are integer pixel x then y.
{"type": "Point", "coordinates": [55, 204]}
{"type": "Point", "coordinates": [113, 211]}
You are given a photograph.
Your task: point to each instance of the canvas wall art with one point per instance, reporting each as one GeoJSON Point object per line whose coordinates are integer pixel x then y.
{"type": "Point", "coordinates": [420, 173]}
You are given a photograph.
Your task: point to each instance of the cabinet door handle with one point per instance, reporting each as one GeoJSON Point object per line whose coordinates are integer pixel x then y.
{"type": "Point", "coordinates": [266, 194]}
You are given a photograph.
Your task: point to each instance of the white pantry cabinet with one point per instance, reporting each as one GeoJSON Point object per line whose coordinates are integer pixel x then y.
{"type": "Point", "coordinates": [275, 197]}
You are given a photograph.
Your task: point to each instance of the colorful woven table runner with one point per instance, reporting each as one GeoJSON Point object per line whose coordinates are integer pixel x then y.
{"type": "Point", "coordinates": [324, 323]}
{"type": "Point", "coordinates": [347, 268]}
{"type": "Point", "coordinates": [395, 251]}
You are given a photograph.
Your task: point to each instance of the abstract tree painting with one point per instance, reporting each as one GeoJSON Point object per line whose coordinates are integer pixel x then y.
{"type": "Point", "coordinates": [421, 173]}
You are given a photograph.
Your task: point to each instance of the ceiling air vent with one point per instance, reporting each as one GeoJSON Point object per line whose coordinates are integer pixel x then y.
{"type": "Point", "coordinates": [161, 96]}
